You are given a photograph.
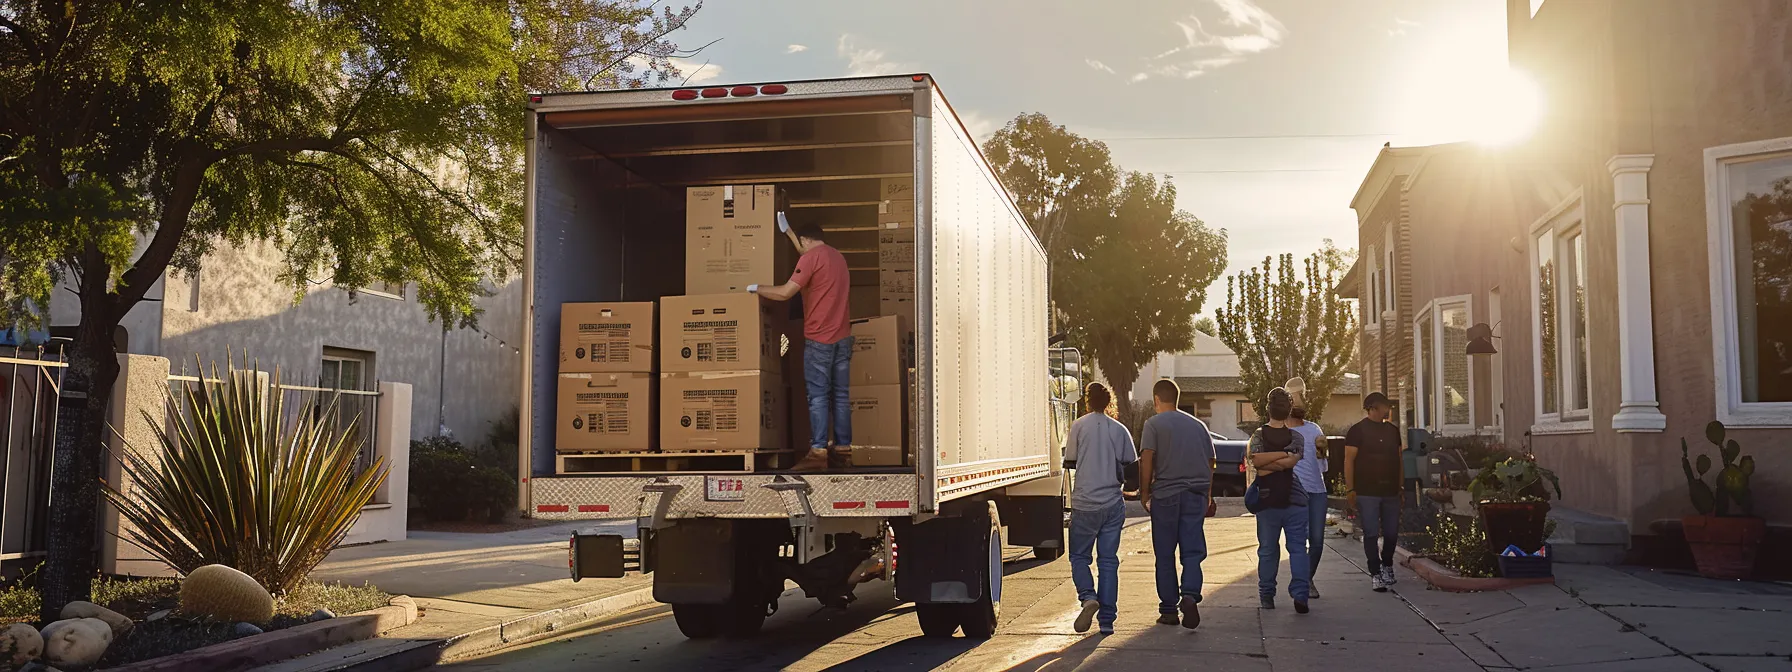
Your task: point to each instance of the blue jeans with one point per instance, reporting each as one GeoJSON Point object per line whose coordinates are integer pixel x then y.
{"type": "Point", "coordinates": [826, 369]}
{"type": "Point", "coordinates": [1272, 525]}
{"type": "Point", "coordinates": [1179, 521]}
{"type": "Point", "coordinates": [1380, 517]}
{"type": "Point", "coordinates": [1315, 531]}
{"type": "Point", "coordinates": [1098, 531]}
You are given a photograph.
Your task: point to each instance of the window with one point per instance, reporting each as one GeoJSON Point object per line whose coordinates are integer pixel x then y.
{"type": "Point", "coordinates": [352, 371]}
{"type": "Point", "coordinates": [1245, 412]}
{"type": "Point", "coordinates": [1373, 295]}
{"type": "Point", "coordinates": [1559, 283]}
{"type": "Point", "coordinates": [1446, 381]}
{"type": "Point", "coordinates": [381, 288]}
{"type": "Point", "coordinates": [1749, 218]}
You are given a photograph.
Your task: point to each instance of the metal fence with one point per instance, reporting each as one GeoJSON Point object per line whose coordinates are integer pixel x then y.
{"type": "Point", "coordinates": [340, 409]}
{"type": "Point", "coordinates": [31, 380]}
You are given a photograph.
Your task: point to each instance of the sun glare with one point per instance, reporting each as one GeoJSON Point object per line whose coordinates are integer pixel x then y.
{"type": "Point", "coordinates": [1488, 105]}
{"type": "Point", "coordinates": [1509, 110]}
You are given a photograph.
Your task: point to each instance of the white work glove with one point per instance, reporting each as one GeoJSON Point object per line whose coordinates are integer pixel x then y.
{"type": "Point", "coordinates": [753, 289]}
{"type": "Point", "coordinates": [783, 224]}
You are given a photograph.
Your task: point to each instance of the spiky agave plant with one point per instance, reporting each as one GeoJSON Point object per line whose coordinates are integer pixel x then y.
{"type": "Point", "coordinates": [237, 482]}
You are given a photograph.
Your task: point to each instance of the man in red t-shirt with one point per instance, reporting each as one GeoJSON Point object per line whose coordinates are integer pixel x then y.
{"type": "Point", "coordinates": [822, 277]}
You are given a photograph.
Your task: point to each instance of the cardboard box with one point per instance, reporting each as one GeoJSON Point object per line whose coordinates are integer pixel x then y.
{"type": "Point", "coordinates": [896, 196]}
{"type": "Point", "coordinates": [896, 283]}
{"type": "Point", "coordinates": [881, 350]}
{"type": "Point", "coordinates": [896, 306]}
{"type": "Point", "coordinates": [877, 416]}
{"type": "Point", "coordinates": [732, 239]}
{"type": "Point", "coordinates": [723, 410]}
{"type": "Point", "coordinates": [878, 456]}
{"type": "Point", "coordinates": [719, 332]}
{"type": "Point", "coordinates": [896, 248]}
{"type": "Point", "coordinates": [606, 337]}
{"type": "Point", "coordinates": [604, 412]}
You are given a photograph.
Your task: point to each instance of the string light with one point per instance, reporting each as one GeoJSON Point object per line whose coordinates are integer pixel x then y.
{"type": "Point", "coordinates": [489, 336]}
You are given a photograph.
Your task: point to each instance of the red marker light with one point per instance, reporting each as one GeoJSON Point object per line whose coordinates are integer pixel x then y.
{"type": "Point", "coordinates": [534, 99]}
{"type": "Point", "coordinates": [743, 91]}
{"type": "Point", "coordinates": [773, 89]}
{"type": "Point", "coordinates": [684, 94]}
{"type": "Point", "coordinates": [717, 92]}
{"type": "Point", "coordinates": [919, 78]}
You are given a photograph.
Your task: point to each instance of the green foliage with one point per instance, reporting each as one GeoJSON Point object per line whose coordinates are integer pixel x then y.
{"type": "Point", "coordinates": [451, 481]}
{"type": "Point", "coordinates": [1206, 325]}
{"type": "Point", "coordinates": [1284, 327]}
{"type": "Point", "coordinates": [245, 480]}
{"type": "Point", "coordinates": [1515, 479]}
{"type": "Point", "coordinates": [1463, 547]}
{"type": "Point", "coordinates": [1129, 271]}
{"type": "Point", "coordinates": [1731, 486]}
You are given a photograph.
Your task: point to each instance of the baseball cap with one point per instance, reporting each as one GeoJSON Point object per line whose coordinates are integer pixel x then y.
{"type": "Point", "coordinates": [1376, 399]}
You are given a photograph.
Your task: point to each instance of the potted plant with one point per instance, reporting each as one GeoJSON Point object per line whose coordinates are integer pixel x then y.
{"type": "Point", "coordinates": [1725, 534]}
{"type": "Point", "coordinates": [1512, 502]}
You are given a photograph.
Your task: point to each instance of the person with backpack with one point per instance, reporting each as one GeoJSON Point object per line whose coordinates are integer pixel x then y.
{"type": "Point", "coordinates": [1098, 448]}
{"type": "Point", "coordinates": [1311, 475]}
{"type": "Point", "coordinates": [1280, 504]}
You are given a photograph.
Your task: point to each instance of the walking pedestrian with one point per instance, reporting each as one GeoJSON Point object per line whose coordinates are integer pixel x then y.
{"type": "Point", "coordinates": [1311, 474]}
{"type": "Point", "coordinates": [822, 279]}
{"type": "Point", "coordinates": [1175, 478]}
{"type": "Point", "coordinates": [1098, 448]}
{"type": "Point", "coordinates": [1275, 450]}
{"type": "Point", "coordinates": [1372, 485]}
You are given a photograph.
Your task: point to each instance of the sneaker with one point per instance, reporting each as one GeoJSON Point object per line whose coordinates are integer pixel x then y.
{"type": "Point", "coordinates": [1266, 602]}
{"type": "Point", "coordinates": [1168, 619]}
{"type": "Point", "coordinates": [1300, 606]}
{"type": "Point", "coordinates": [1312, 591]}
{"type": "Point", "coordinates": [1387, 576]}
{"type": "Point", "coordinates": [1376, 582]}
{"type": "Point", "coordinates": [1107, 628]}
{"type": "Point", "coordinates": [816, 460]}
{"type": "Point", "coordinates": [1191, 612]}
{"type": "Point", "coordinates": [1084, 617]}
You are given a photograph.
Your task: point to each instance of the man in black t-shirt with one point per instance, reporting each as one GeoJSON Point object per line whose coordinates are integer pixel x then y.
{"type": "Point", "coordinates": [1372, 478]}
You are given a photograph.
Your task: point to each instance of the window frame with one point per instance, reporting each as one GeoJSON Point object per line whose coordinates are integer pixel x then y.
{"type": "Point", "coordinates": [1431, 416]}
{"type": "Point", "coordinates": [1721, 239]}
{"type": "Point", "coordinates": [1374, 298]}
{"type": "Point", "coordinates": [1564, 221]}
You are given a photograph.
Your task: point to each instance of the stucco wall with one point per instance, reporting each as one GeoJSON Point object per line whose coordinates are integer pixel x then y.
{"type": "Point", "coordinates": [244, 310]}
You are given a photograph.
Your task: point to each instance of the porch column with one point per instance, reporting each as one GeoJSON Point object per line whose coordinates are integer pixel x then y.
{"type": "Point", "coordinates": [1638, 410]}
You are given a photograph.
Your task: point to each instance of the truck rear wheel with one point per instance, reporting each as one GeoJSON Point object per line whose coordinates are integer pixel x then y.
{"type": "Point", "coordinates": [744, 618]}
{"type": "Point", "coordinates": [698, 621]}
{"type": "Point", "coordinates": [938, 620]}
{"type": "Point", "coordinates": [979, 618]}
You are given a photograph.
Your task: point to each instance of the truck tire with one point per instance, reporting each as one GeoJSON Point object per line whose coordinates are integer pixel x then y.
{"type": "Point", "coordinates": [744, 618]}
{"type": "Point", "coordinates": [978, 619]}
{"type": "Point", "coordinates": [698, 621]}
{"type": "Point", "coordinates": [938, 620]}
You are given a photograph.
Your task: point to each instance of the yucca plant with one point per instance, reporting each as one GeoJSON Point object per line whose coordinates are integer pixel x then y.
{"type": "Point", "coordinates": [235, 481]}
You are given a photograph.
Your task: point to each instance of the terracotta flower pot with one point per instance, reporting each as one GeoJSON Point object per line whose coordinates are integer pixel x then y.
{"type": "Point", "coordinates": [1514, 524]}
{"type": "Point", "coordinates": [1724, 547]}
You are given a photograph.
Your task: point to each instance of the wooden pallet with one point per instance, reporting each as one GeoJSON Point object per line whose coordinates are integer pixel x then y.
{"type": "Point", "coordinates": [714, 461]}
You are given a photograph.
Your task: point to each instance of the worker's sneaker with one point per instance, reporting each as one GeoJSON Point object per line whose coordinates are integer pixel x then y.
{"type": "Point", "coordinates": [1312, 591]}
{"type": "Point", "coordinates": [1107, 628]}
{"type": "Point", "coordinates": [1379, 585]}
{"type": "Point", "coordinates": [1387, 576]}
{"type": "Point", "coordinates": [1168, 619]}
{"type": "Point", "coordinates": [1266, 602]}
{"type": "Point", "coordinates": [816, 460]}
{"type": "Point", "coordinates": [1086, 616]}
{"type": "Point", "coordinates": [1191, 611]}
{"type": "Point", "coordinates": [1300, 606]}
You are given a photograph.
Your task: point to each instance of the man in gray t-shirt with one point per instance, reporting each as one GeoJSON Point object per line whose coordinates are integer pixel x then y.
{"type": "Point", "coordinates": [1098, 448]}
{"type": "Point", "coordinates": [1175, 473]}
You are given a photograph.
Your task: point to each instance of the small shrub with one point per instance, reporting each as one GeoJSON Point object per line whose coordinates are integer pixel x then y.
{"type": "Point", "coordinates": [1462, 547]}
{"type": "Point", "coordinates": [450, 483]}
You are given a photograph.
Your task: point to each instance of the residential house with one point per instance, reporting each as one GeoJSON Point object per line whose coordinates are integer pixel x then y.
{"type": "Point", "coordinates": [1207, 374]}
{"type": "Point", "coordinates": [1631, 258]}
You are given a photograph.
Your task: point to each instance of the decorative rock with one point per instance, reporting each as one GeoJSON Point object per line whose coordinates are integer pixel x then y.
{"type": "Point", "coordinates": [157, 615]}
{"type": "Point", "coordinates": [407, 604]}
{"type": "Point", "coordinates": [19, 644]}
{"type": "Point", "coordinates": [76, 643]}
{"type": "Point", "coordinates": [36, 666]}
{"type": "Point", "coordinates": [245, 629]}
{"type": "Point", "coordinates": [321, 614]}
{"type": "Point", "coordinates": [225, 594]}
{"type": "Point", "coordinates": [121, 625]}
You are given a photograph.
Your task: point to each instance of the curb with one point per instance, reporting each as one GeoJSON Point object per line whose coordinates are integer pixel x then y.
{"type": "Point", "coordinates": [1444, 578]}
{"type": "Point", "coordinates": [248, 652]}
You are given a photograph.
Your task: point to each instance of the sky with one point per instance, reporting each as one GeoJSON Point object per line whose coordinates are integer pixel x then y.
{"type": "Point", "coordinates": [1265, 113]}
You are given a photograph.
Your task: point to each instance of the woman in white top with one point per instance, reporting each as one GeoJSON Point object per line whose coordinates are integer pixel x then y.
{"type": "Point", "coordinates": [1311, 474]}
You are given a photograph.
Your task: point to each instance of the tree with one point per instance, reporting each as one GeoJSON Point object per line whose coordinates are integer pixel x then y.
{"type": "Point", "coordinates": [369, 140]}
{"type": "Point", "coordinates": [1133, 289]}
{"type": "Point", "coordinates": [1282, 326]}
{"type": "Point", "coordinates": [1207, 326]}
{"type": "Point", "coordinates": [1053, 175]}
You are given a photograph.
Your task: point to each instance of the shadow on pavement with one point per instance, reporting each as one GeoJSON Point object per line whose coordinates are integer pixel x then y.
{"type": "Point", "coordinates": [914, 653]}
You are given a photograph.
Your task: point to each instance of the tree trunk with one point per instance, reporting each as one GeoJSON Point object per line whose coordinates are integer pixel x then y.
{"type": "Point", "coordinates": [74, 473]}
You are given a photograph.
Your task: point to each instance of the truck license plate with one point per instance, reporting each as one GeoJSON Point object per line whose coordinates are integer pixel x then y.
{"type": "Point", "coordinates": [718, 489]}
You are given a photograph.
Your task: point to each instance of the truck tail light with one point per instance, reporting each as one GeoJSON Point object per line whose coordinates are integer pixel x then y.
{"type": "Point", "coordinates": [743, 91]}
{"type": "Point", "coordinates": [684, 94]}
{"type": "Point", "coordinates": [774, 89]}
{"type": "Point", "coordinates": [717, 92]}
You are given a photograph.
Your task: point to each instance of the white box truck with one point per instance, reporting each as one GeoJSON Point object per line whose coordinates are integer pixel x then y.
{"type": "Point", "coordinates": [606, 173]}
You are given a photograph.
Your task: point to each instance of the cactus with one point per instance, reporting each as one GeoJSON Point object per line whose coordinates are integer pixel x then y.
{"type": "Point", "coordinates": [1730, 487]}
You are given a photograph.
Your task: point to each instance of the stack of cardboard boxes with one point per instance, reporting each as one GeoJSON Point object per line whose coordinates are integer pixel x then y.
{"type": "Point", "coordinates": [716, 376]}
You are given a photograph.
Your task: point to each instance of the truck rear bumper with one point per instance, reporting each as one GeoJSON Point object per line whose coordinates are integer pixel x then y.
{"type": "Point", "coordinates": [721, 496]}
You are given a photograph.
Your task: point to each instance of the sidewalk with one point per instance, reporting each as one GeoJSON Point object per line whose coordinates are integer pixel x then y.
{"type": "Point", "coordinates": [464, 581]}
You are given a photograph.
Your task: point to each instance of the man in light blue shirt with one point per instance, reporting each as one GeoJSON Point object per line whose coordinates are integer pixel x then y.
{"type": "Point", "coordinates": [1098, 448]}
{"type": "Point", "coordinates": [1310, 472]}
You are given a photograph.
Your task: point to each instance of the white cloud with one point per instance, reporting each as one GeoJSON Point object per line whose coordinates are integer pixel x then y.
{"type": "Point", "coordinates": [1098, 65]}
{"type": "Point", "coordinates": [795, 48]}
{"type": "Point", "coordinates": [696, 72]}
{"type": "Point", "coordinates": [1400, 26]}
{"type": "Point", "coordinates": [863, 61]}
{"type": "Point", "coordinates": [1236, 31]}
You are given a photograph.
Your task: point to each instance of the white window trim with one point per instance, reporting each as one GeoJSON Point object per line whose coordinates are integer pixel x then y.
{"type": "Point", "coordinates": [1720, 238]}
{"type": "Point", "coordinates": [1374, 298]}
{"type": "Point", "coordinates": [1432, 312]}
{"type": "Point", "coordinates": [1571, 209]}
{"type": "Point", "coordinates": [1388, 300]}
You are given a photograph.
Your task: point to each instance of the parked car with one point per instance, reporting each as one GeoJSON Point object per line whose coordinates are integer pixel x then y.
{"type": "Point", "coordinates": [1228, 466]}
